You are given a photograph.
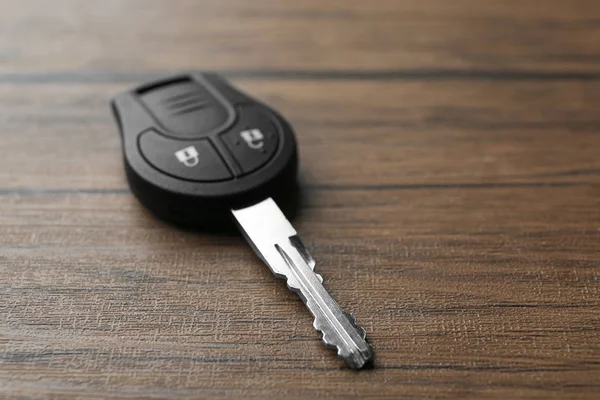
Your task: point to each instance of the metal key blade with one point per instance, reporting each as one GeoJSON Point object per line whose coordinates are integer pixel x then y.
{"type": "Point", "coordinates": [276, 242]}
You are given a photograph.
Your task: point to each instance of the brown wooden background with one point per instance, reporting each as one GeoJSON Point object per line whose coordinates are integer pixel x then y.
{"type": "Point", "coordinates": [450, 156]}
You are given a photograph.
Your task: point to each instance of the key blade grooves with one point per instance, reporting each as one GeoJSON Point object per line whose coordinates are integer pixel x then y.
{"type": "Point", "coordinates": [338, 330]}
{"type": "Point", "coordinates": [303, 251]}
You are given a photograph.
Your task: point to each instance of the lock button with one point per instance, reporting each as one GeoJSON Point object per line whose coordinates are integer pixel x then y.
{"type": "Point", "coordinates": [253, 140]}
{"type": "Point", "coordinates": [194, 160]}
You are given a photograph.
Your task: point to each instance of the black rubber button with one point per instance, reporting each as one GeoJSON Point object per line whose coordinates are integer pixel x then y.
{"type": "Point", "coordinates": [194, 160]}
{"type": "Point", "coordinates": [253, 141]}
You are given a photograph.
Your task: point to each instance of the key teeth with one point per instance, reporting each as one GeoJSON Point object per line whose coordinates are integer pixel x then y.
{"type": "Point", "coordinates": [356, 360]}
{"type": "Point", "coordinates": [360, 329]}
{"type": "Point", "coordinates": [292, 287]}
{"type": "Point", "coordinates": [321, 327]}
{"type": "Point", "coordinates": [355, 354]}
{"type": "Point", "coordinates": [291, 284]}
{"type": "Point", "coordinates": [327, 338]}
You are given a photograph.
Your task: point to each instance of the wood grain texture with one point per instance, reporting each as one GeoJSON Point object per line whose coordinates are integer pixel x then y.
{"type": "Point", "coordinates": [546, 35]}
{"type": "Point", "coordinates": [451, 197]}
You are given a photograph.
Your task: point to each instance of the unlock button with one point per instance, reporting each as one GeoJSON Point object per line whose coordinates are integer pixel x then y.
{"type": "Point", "coordinates": [194, 160]}
{"type": "Point", "coordinates": [188, 156]}
{"type": "Point", "coordinates": [253, 140]}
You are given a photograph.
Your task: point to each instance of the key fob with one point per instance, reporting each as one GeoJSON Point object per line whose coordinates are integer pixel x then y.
{"type": "Point", "coordinates": [195, 147]}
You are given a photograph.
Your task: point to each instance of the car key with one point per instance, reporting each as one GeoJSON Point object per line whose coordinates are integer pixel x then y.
{"type": "Point", "coordinates": [197, 151]}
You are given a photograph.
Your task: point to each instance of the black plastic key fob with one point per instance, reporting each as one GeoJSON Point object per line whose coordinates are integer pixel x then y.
{"type": "Point", "coordinates": [194, 147]}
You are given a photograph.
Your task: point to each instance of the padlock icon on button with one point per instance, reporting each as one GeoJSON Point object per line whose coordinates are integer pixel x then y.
{"type": "Point", "coordinates": [254, 138]}
{"type": "Point", "coordinates": [188, 156]}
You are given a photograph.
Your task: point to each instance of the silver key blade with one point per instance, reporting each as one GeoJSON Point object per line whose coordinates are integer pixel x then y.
{"type": "Point", "coordinates": [276, 242]}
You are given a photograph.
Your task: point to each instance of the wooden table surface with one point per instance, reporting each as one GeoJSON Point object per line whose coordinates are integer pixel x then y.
{"type": "Point", "coordinates": [450, 160]}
